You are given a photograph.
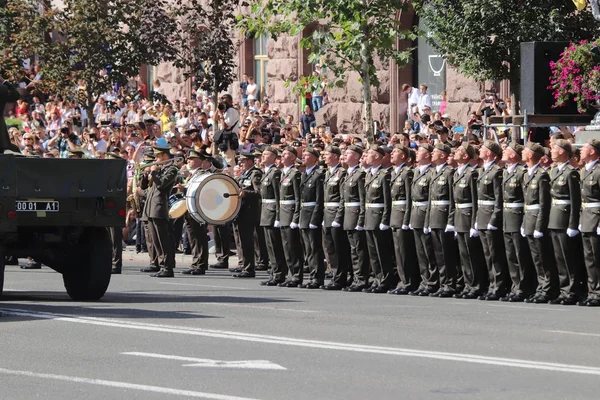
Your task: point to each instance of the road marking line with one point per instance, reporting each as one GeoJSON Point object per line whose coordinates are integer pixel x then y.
{"type": "Point", "coordinates": [538, 308]}
{"type": "Point", "coordinates": [198, 285]}
{"type": "Point", "coordinates": [124, 385]}
{"type": "Point", "coordinates": [202, 362]}
{"type": "Point", "coordinates": [262, 307]}
{"type": "Point", "coordinates": [577, 333]}
{"type": "Point", "coordinates": [316, 344]}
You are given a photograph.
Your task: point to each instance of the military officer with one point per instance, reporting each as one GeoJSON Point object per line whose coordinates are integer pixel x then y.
{"type": "Point", "coordinates": [563, 223]}
{"type": "Point", "coordinates": [535, 224]}
{"type": "Point", "coordinates": [249, 214]}
{"type": "Point", "coordinates": [353, 201]}
{"type": "Point", "coordinates": [420, 202]}
{"type": "Point", "coordinates": [289, 217]}
{"type": "Point", "coordinates": [378, 206]}
{"type": "Point", "coordinates": [156, 209]}
{"type": "Point", "coordinates": [590, 219]}
{"type": "Point", "coordinates": [404, 241]}
{"type": "Point", "coordinates": [269, 217]}
{"type": "Point", "coordinates": [311, 217]}
{"type": "Point", "coordinates": [335, 239]}
{"type": "Point", "coordinates": [464, 192]}
{"type": "Point", "coordinates": [198, 162]}
{"type": "Point", "coordinates": [440, 221]}
{"type": "Point", "coordinates": [144, 231]}
{"type": "Point", "coordinates": [489, 220]}
{"type": "Point", "coordinates": [518, 257]}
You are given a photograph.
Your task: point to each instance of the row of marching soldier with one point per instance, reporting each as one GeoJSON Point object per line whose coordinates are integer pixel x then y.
{"type": "Point", "coordinates": [486, 223]}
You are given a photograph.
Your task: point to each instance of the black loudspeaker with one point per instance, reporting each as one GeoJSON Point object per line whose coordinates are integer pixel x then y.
{"type": "Point", "coordinates": [536, 98]}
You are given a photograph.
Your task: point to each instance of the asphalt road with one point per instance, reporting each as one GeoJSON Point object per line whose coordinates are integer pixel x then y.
{"type": "Point", "coordinates": [216, 337]}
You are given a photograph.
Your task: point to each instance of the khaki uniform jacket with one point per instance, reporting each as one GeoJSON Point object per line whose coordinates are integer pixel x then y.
{"type": "Point", "coordinates": [489, 189]}
{"type": "Point", "coordinates": [378, 202]}
{"type": "Point", "coordinates": [590, 193]}
{"type": "Point", "coordinates": [353, 191]}
{"type": "Point", "coordinates": [333, 194]}
{"type": "Point", "coordinates": [269, 194]}
{"type": "Point", "coordinates": [440, 189]}
{"type": "Point", "coordinates": [289, 192]}
{"type": "Point", "coordinates": [251, 204]}
{"type": "Point", "coordinates": [420, 193]}
{"type": "Point", "coordinates": [537, 193]}
{"type": "Point", "coordinates": [512, 193]}
{"type": "Point", "coordinates": [400, 185]}
{"type": "Point", "coordinates": [564, 188]}
{"type": "Point", "coordinates": [157, 200]}
{"type": "Point", "coordinates": [311, 191]}
{"type": "Point", "coordinates": [464, 191]}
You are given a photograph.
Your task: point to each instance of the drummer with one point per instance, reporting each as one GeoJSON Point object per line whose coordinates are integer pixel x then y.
{"type": "Point", "coordinates": [198, 162]}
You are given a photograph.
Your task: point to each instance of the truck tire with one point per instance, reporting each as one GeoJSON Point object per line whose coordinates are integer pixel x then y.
{"type": "Point", "coordinates": [88, 278]}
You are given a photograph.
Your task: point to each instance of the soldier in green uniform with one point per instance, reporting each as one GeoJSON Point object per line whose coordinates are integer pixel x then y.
{"type": "Point", "coordinates": [335, 239]}
{"type": "Point", "coordinates": [420, 203]}
{"type": "Point", "coordinates": [590, 219]}
{"type": "Point", "coordinates": [377, 222]}
{"type": "Point", "coordinates": [289, 218]}
{"type": "Point", "coordinates": [563, 223]}
{"type": "Point", "coordinates": [403, 238]}
{"type": "Point", "coordinates": [311, 217]}
{"type": "Point", "coordinates": [464, 192]}
{"type": "Point", "coordinates": [353, 201]}
{"type": "Point", "coordinates": [536, 186]}
{"type": "Point", "coordinates": [440, 221]}
{"type": "Point", "coordinates": [269, 217]}
{"type": "Point", "coordinates": [518, 256]}
{"type": "Point", "coordinates": [249, 214]}
{"type": "Point", "coordinates": [489, 220]}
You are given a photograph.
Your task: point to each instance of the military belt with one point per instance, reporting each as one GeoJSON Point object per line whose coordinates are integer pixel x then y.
{"type": "Point", "coordinates": [464, 205]}
{"type": "Point", "coordinates": [532, 207]}
{"type": "Point", "coordinates": [332, 204]}
{"type": "Point", "coordinates": [420, 203]}
{"type": "Point", "coordinates": [514, 205]}
{"type": "Point", "coordinates": [590, 205]}
{"type": "Point", "coordinates": [374, 205]}
{"type": "Point", "coordinates": [287, 202]}
{"type": "Point", "coordinates": [440, 203]}
{"type": "Point", "coordinates": [486, 202]}
{"type": "Point", "coordinates": [561, 202]}
{"type": "Point", "coordinates": [399, 202]}
{"type": "Point", "coordinates": [308, 204]}
{"type": "Point", "coordinates": [352, 204]}
{"type": "Point", "coordinates": [268, 201]}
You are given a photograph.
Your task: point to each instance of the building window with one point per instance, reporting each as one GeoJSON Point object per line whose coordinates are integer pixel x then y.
{"type": "Point", "coordinates": [261, 61]}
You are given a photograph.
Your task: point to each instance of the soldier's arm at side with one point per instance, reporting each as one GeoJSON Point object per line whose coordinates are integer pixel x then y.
{"type": "Point", "coordinates": [452, 206]}
{"type": "Point", "coordinates": [362, 196]}
{"type": "Point", "coordinates": [545, 203]}
{"type": "Point", "coordinates": [339, 215]}
{"type": "Point", "coordinates": [474, 176]}
{"type": "Point", "coordinates": [317, 214]}
{"type": "Point", "coordinates": [496, 219]}
{"type": "Point", "coordinates": [575, 193]}
{"type": "Point", "coordinates": [408, 187]}
{"type": "Point", "coordinates": [276, 182]}
{"type": "Point", "coordinates": [296, 183]}
{"type": "Point", "coordinates": [387, 199]}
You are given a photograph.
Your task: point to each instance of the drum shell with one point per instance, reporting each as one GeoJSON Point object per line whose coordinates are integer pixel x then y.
{"type": "Point", "coordinates": [213, 198]}
{"type": "Point", "coordinates": [176, 209]}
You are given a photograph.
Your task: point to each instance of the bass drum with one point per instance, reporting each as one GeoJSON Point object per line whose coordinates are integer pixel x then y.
{"type": "Point", "coordinates": [213, 198]}
{"type": "Point", "coordinates": [177, 206]}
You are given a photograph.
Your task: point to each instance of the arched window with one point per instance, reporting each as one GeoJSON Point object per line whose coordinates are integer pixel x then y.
{"type": "Point", "coordinates": [261, 61]}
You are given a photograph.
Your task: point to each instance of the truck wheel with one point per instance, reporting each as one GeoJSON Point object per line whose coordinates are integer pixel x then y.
{"type": "Point", "coordinates": [88, 278]}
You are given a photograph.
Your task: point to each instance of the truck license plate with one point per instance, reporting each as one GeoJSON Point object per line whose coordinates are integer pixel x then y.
{"type": "Point", "coordinates": [34, 206]}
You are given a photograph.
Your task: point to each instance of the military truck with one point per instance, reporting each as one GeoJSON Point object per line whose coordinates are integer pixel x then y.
{"type": "Point", "coordinates": [58, 212]}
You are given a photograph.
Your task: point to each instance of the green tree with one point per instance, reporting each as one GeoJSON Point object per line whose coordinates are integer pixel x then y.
{"type": "Point", "coordinates": [203, 42]}
{"type": "Point", "coordinates": [350, 34]}
{"type": "Point", "coordinates": [481, 38]}
{"type": "Point", "coordinates": [91, 43]}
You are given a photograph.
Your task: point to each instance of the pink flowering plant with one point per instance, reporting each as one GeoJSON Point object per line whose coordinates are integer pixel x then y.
{"type": "Point", "coordinates": [576, 75]}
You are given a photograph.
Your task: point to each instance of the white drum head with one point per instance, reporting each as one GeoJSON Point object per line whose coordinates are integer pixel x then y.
{"type": "Point", "coordinates": [215, 198]}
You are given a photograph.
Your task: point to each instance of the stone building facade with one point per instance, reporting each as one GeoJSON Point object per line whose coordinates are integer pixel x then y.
{"type": "Point", "coordinates": [272, 63]}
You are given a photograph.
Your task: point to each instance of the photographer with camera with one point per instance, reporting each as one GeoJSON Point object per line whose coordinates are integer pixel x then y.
{"type": "Point", "coordinates": [226, 138]}
{"type": "Point", "coordinates": [65, 141]}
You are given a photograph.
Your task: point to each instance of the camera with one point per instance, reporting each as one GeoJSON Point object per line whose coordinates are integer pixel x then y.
{"type": "Point", "coordinates": [222, 106]}
{"type": "Point", "coordinates": [64, 131]}
{"type": "Point", "coordinates": [93, 136]}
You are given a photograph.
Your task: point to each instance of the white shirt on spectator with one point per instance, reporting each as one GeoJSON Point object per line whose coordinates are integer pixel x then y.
{"type": "Point", "coordinates": [424, 100]}
{"type": "Point", "coordinates": [252, 90]}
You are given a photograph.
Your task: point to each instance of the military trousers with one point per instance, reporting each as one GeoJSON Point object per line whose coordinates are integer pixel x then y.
{"type": "Point", "coordinates": [379, 245]}
{"type": "Point", "coordinates": [160, 234]}
{"type": "Point", "coordinates": [198, 238]}
{"type": "Point", "coordinates": [520, 265]}
{"type": "Point", "coordinates": [567, 252]}
{"type": "Point", "coordinates": [591, 255]}
{"type": "Point", "coordinates": [312, 239]}
{"type": "Point", "coordinates": [407, 266]}
{"type": "Point", "coordinates": [492, 242]}
{"type": "Point", "coordinates": [426, 259]}
{"type": "Point", "coordinates": [277, 261]}
{"type": "Point", "coordinates": [545, 267]}
{"type": "Point", "coordinates": [293, 251]}
{"type": "Point", "coordinates": [337, 248]}
{"type": "Point", "coordinates": [359, 256]}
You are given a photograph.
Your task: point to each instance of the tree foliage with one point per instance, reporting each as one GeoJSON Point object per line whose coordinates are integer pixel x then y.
{"type": "Point", "coordinates": [481, 38]}
{"type": "Point", "coordinates": [203, 39]}
{"type": "Point", "coordinates": [348, 35]}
